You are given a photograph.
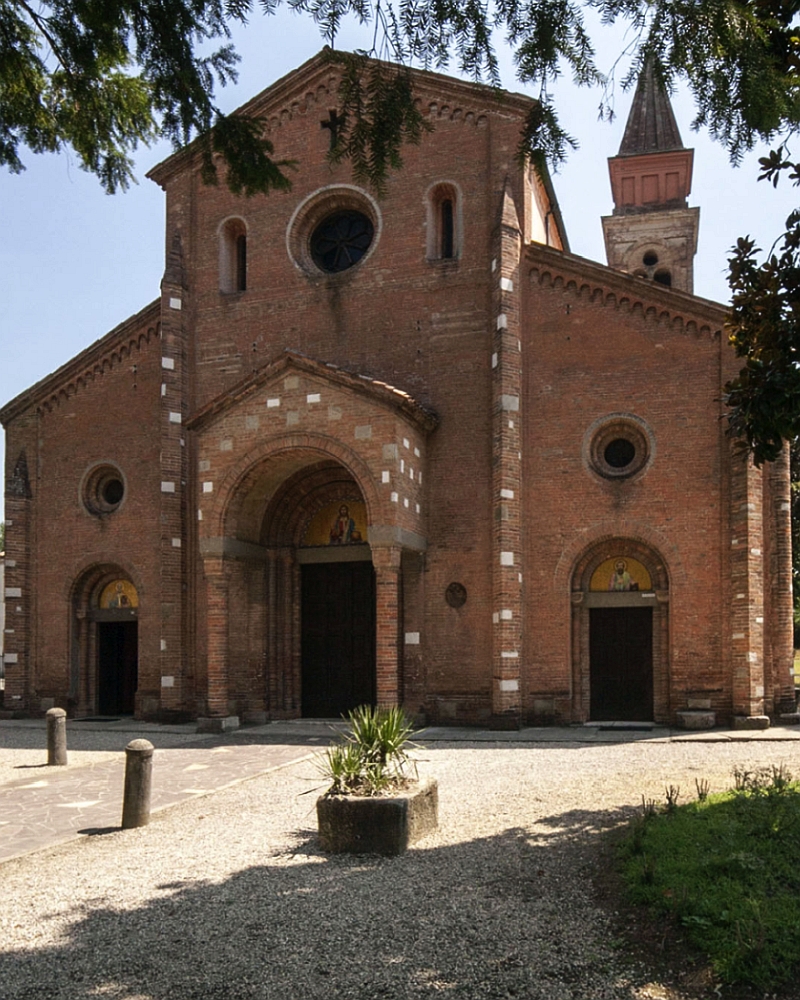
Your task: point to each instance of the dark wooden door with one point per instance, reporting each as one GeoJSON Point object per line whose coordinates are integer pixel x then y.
{"type": "Point", "coordinates": [338, 638]}
{"type": "Point", "coordinates": [118, 661]}
{"type": "Point", "coordinates": [621, 664]}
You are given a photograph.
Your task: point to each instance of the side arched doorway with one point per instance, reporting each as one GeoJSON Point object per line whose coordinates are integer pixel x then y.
{"type": "Point", "coordinates": [620, 602]}
{"type": "Point", "coordinates": [105, 648]}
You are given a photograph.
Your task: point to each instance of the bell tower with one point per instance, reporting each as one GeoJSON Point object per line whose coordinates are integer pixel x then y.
{"type": "Point", "coordinates": [652, 232]}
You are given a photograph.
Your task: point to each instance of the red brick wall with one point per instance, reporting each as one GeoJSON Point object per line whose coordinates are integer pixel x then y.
{"type": "Point", "coordinates": [107, 412]}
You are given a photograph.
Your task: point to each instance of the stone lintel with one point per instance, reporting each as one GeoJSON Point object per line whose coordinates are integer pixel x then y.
{"type": "Point", "coordinates": [392, 534]}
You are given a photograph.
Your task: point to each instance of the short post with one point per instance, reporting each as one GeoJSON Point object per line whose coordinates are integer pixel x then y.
{"type": "Point", "coordinates": [56, 737]}
{"type": "Point", "coordinates": [138, 784]}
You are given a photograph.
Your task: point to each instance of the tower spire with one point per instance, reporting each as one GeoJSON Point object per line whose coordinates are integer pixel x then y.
{"type": "Point", "coordinates": [651, 126]}
{"type": "Point", "coordinates": [652, 232]}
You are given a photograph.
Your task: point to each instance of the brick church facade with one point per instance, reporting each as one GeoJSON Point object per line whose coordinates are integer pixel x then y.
{"type": "Point", "coordinates": [403, 449]}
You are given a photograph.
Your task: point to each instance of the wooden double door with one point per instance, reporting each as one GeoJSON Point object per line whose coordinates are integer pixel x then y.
{"type": "Point", "coordinates": [621, 664]}
{"type": "Point", "coordinates": [338, 637]}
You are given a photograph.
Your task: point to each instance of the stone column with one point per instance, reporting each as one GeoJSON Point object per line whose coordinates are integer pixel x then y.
{"type": "Point", "coordinates": [386, 560]}
{"type": "Point", "coordinates": [218, 577]}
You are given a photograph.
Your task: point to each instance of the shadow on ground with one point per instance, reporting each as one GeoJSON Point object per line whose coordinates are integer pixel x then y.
{"type": "Point", "coordinates": [512, 915]}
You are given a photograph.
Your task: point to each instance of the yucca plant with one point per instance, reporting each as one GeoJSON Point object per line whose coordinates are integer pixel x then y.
{"type": "Point", "coordinates": [373, 755]}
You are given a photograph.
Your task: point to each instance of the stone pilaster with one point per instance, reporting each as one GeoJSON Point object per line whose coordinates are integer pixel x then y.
{"type": "Point", "coordinates": [388, 624]}
{"type": "Point", "coordinates": [781, 631]}
{"type": "Point", "coordinates": [174, 484]}
{"type": "Point", "coordinates": [506, 469]}
{"type": "Point", "coordinates": [747, 590]}
{"type": "Point", "coordinates": [18, 597]}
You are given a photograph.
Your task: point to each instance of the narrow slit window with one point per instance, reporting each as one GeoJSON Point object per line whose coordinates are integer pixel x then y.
{"type": "Point", "coordinates": [241, 263]}
{"type": "Point", "coordinates": [444, 212]}
{"type": "Point", "coordinates": [447, 234]}
{"type": "Point", "coordinates": [233, 256]}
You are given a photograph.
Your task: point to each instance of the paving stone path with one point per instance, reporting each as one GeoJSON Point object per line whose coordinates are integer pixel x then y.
{"type": "Point", "coordinates": [46, 806]}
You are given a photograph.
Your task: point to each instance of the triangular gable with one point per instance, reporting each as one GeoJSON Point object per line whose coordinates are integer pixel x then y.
{"type": "Point", "coordinates": [363, 385]}
{"type": "Point", "coordinates": [317, 78]}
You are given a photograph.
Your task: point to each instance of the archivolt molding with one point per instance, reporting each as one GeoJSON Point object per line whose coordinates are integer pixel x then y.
{"type": "Point", "coordinates": [622, 530]}
{"type": "Point", "coordinates": [627, 301]}
{"type": "Point", "coordinates": [86, 575]}
{"type": "Point", "coordinates": [233, 488]}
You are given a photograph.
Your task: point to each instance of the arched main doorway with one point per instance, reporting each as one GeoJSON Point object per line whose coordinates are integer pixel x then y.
{"type": "Point", "coordinates": [105, 658]}
{"type": "Point", "coordinates": [620, 634]}
{"type": "Point", "coordinates": [302, 590]}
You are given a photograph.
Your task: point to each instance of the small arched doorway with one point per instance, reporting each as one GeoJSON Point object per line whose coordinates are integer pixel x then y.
{"type": "Point", "coordinates": [106, 644]}
{"type": "Point", "coordinates": [620, 621]}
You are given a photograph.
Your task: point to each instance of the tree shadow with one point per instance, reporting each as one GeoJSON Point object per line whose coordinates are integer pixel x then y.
{"type": "Point", "coordinates": [508, 915]}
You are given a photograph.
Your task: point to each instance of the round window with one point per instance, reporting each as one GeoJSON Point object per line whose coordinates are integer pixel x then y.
{"type": "Point", "coordinates": [333, 231]}
{"type": "Point", "coordinates": [618, 446]}
{"type": "Point", "coordinates": [619, 453]}
{"type": "Point", "coordinates": [103, 490]}
{"type": "Point", "coordinates": [341, 240]}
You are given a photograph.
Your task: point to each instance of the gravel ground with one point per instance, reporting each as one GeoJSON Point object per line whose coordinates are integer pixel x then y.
{"type": "Point", "coordinates": [229, 896]}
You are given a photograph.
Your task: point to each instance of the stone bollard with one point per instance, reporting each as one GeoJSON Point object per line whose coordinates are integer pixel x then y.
{"type": "Point", "coordinates": [138, 783]}
{"type": "Point", "coordinates": [56, 736]}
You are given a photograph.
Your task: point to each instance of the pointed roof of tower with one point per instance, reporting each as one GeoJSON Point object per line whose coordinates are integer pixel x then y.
{"type": "Point", "coordinates": [651, 124]}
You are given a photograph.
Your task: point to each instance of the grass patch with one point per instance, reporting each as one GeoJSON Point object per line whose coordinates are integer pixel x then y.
{"type": "Point", "coordinates": [727, 869]}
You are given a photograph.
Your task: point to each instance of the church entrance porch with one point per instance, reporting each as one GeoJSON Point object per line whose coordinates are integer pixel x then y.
{"type": "Point", "coordinates": [117, 666]}
{"type": "Point", "coordinates": [337, 638]}
{"type": "Point", "coordinates": [621, 664]}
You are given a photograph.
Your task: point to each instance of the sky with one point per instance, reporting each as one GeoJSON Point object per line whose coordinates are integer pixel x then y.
{"type": "Point", "coordinates": [75, 262]}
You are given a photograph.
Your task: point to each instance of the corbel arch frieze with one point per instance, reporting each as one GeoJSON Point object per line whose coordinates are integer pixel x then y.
{"type": "Point", "coordinates": [633, 304]}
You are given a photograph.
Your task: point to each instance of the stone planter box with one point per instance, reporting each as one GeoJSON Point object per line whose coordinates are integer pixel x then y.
{"type": "Point", "coordinates": [357, 824]}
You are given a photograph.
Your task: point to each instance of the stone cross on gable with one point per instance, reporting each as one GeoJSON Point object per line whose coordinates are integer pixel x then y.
{"type": "Point", "coordinates": [333, 123]}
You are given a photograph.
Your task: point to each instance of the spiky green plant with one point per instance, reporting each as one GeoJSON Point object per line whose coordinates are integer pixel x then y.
{"type": "Point", "coordinates": [373, 754]}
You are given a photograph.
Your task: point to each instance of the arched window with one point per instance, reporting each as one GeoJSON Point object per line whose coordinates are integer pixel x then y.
{"type": "Point", "coordinates": [444, 221]}
{"type": "Point", "coordinates": [233, 256]}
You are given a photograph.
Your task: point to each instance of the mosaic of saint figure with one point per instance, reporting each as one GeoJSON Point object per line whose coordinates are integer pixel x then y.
{"type": "Point", "coordinates": [343, 529]}
{"type": "Point", "coordinates": [621, 578]}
